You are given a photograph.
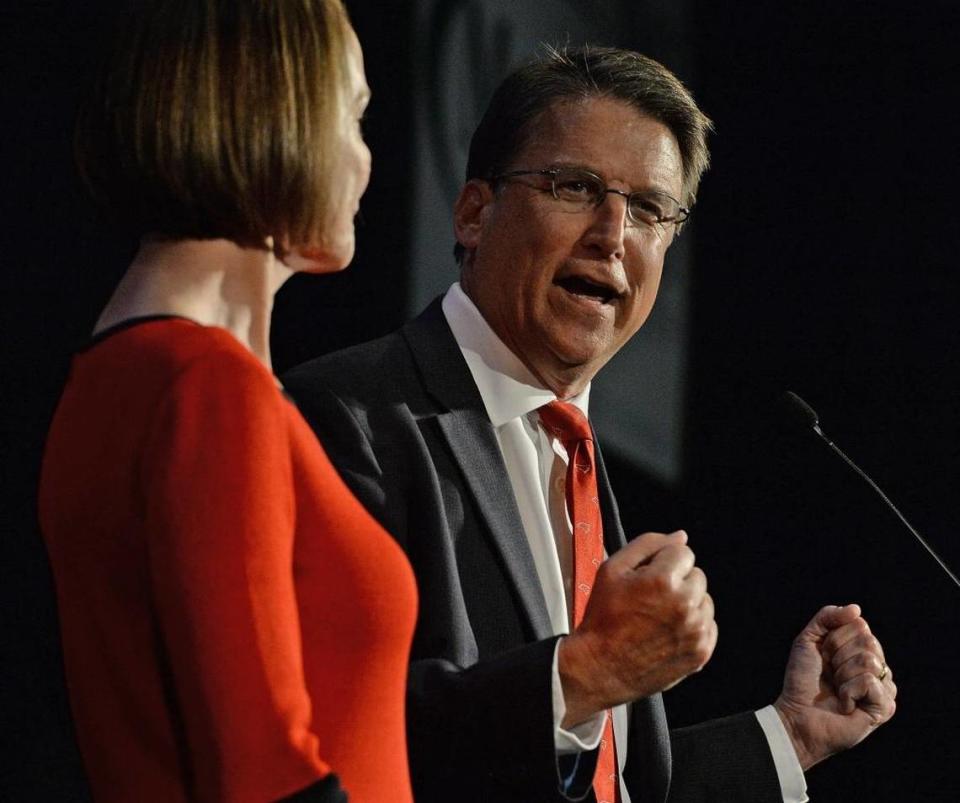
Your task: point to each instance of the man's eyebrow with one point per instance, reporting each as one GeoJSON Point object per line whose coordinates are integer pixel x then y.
{"type": "Point", "coordinates": [654, 186]}
{"type": "Point", "coordinates": [574, 166]}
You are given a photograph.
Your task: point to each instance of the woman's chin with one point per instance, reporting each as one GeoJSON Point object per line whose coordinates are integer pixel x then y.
{"type": "Point", "coordinates": [320, 260]}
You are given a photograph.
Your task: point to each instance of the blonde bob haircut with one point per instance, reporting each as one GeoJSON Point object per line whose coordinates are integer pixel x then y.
{"type": "Point", "coordinates": [219, 118]}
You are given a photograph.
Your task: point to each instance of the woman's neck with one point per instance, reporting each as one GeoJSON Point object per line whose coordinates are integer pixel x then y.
{"type": "Point", "coordinates": [213, 282]}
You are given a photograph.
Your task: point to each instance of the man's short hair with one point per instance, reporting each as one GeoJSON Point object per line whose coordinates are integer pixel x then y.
{"type": "Point", "coordinates": [218, 119]}
{"type": "Point", "coordinates": [584, 72]}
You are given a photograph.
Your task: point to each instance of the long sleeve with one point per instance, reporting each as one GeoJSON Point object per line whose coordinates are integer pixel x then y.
{"type": "Point", "coordinates": [219, 512]}
{"type": "Point", "coordinates": [723, 759]}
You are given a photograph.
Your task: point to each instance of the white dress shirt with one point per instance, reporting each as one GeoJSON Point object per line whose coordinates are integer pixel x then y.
{"type": "Point", "coordinates": [536, 465]}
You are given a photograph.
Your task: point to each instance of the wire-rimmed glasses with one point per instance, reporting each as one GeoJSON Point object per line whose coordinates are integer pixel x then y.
{"type": "Point", "coordinates": [580, 189]}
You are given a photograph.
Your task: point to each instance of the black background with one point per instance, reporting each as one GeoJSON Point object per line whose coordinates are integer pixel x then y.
{"type": "Point", "coordinates": [825, 245]}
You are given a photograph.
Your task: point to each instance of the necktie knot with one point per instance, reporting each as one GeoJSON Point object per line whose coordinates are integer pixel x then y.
{"type": "Point", "coordinates": [566, 422]}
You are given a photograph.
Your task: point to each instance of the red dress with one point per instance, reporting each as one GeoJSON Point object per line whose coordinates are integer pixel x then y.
{"type": "Point", "coordinates": [235, 625]}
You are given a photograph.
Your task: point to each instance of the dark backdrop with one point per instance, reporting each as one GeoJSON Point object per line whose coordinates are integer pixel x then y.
{"type": "Point", "coordinates": [823, 261]}
{"type": "Point", "coordinates": [826, 263]}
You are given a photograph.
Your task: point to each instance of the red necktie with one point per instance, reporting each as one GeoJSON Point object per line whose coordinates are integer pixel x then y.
{"type": "Point", "coordinates": [568, 424]}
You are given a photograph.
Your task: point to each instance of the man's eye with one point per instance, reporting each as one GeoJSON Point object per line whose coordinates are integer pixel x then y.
{"type": "Point", "coordinates": [576, 188]}
{"type": "Point", "coordinates": [647, 209]}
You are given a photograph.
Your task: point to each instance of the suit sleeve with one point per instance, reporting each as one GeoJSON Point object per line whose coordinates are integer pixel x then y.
{"type": "Point", "coordinates": [218, 502]}
{"type": "Point", "coordinates": [476, 732]}
{"type": "Point", "coordinates": [723, 759]}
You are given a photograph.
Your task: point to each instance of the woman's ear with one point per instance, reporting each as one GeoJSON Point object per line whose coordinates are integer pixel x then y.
{"type": "Point", "coordinates": [470, 212]}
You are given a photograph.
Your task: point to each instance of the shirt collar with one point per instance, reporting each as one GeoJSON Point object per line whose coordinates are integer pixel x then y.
{"type": "Point", "coordinates": [508, 388]}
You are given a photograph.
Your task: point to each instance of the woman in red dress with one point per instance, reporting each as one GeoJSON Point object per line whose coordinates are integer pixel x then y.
{"type": "Point", "coordinates": [235, 625]}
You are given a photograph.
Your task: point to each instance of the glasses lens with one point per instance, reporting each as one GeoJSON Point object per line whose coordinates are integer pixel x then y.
{"type": "Point", "coordinates": [653, 207]}
{"type": "Point", "coordinates": [577, 187]}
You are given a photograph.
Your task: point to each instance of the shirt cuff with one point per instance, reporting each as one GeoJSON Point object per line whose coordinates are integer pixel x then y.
{"type": "Point", "coordinates": [793, 786]}
{"type": "Point", "coordinates": [583, 737]}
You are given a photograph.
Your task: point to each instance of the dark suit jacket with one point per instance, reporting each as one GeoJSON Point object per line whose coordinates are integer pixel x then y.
{"type": "Point", "coordinates": [402, 420]}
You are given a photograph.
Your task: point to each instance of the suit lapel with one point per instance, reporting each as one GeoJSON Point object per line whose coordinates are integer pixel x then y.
{"type": "Point", "coordinates": [463, 421]}
{"type": "Point", "coordinates": [613, 536]}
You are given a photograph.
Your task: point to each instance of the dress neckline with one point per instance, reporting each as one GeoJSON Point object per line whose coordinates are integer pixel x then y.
{"type": "Point", "coordinates": [129, 323]}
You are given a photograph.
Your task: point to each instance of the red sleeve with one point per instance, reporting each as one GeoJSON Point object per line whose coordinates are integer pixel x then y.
{"type": "Point", "coordinates": [220, 514]}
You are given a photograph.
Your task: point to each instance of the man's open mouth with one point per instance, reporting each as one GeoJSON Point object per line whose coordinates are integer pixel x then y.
{"type": "Point", "coordinates": [584, 287]}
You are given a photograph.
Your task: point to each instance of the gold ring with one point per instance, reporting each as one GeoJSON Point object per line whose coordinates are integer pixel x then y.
{"type": "Point", "coordinates": [883, 672]}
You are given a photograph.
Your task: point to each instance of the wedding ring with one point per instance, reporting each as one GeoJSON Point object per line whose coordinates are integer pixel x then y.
{"type": "Point", "coordinates": [883, 672]}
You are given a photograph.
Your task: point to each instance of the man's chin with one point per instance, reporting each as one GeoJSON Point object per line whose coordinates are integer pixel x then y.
{"type": "Point", "coordinates": [575, 359]}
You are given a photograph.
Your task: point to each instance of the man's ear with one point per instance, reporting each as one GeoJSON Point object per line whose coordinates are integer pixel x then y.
{"type": "Point", "coordinates": [470, 212]}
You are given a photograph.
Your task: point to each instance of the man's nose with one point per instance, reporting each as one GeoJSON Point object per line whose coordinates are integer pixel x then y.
{"type": "Point", "coordinates": [608, 228]}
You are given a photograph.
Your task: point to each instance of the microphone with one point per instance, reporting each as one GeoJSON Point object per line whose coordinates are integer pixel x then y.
{"type": "Point", "coordinates": [802, 416]}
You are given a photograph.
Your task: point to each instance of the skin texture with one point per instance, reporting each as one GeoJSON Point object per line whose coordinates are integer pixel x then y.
{"type": "Point", "coordinates": [648, 625]}
{"type": "Point", "coordinates": [832, 695]}
{"type": "Point", "coordinates": [520, 245]}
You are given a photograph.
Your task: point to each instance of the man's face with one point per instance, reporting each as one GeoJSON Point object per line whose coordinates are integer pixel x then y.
{"type": "Point", "coordinates": [566, 289]}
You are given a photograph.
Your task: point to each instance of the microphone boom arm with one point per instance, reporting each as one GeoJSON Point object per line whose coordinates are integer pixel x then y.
{"type": "Point", "coordinates": [838, 451]}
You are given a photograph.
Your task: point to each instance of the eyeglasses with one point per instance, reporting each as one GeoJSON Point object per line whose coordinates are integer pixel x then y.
{"type": "Point", "coordinates": [580, 189]}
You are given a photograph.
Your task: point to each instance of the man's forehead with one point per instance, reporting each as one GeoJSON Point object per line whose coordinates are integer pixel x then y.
{"type": "Point", "coordinates": [606, 134]}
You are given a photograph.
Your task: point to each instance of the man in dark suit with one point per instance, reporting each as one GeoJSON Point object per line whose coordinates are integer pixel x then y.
{"type": "Point", "coordinates": [580, 174]}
